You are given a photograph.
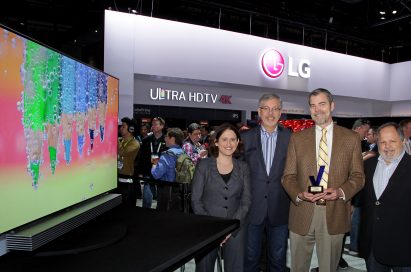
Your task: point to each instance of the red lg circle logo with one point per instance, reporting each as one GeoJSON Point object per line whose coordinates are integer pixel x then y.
{"type": "Point", "coordinates": [272, 63]}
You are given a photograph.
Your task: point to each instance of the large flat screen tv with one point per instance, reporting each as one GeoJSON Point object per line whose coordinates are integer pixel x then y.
{"type": "Point", "coordinates": [58, 131]}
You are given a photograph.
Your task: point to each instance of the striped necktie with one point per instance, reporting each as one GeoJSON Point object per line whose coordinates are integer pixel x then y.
{"type": "Point", "coordinates": [323, 158]}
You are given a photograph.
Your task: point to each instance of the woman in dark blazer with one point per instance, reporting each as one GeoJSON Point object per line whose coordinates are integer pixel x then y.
{"type": "Point", "coordinates": [221, 187]}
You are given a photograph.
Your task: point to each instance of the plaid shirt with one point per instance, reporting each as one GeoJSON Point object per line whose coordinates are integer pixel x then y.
{"type": "Point", "coordinates": [191, 151]}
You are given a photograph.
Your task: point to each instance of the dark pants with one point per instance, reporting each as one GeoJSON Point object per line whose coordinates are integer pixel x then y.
{"type": "Point", "coordinates": [375, 266]}
{"type": "Point", "coordinates": [276, 247]}
{"type": "Point", "coordinates": [137, 188]}
{"type": "Point", "coordinates": [233, 252]}
{"type": "Point", "coordinates": [355, 228]}
{"type": "Point", "coordinates": [168, 198]}
{"type": "Point", "coordinates": [127, 192]}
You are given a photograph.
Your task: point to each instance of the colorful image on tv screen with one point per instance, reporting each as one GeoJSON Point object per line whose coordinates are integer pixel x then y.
{"type": "Point", "coordinates": [58, 136]}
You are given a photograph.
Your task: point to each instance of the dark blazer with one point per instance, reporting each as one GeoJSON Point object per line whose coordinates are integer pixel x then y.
{"type": "Point", "coordinates": [210, 195]}
{"type": "Point", "coordinates": [374, 149]}
{"type": "Point", "coordinates": [144, 165]}
{"type": "Point", "coordinates": [386, 222]}
{"type": "Point", "coordinates": [269, 197]}
{"type": "Point", "coordinates": [346, 172]}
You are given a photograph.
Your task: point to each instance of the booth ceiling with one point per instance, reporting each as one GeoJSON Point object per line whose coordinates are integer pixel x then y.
{"type": "Point", "coordinates": [373, 29]}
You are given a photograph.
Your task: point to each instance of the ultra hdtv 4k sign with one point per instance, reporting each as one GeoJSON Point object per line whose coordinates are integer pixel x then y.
{"type": "Point", "coordinates": [273, 65]}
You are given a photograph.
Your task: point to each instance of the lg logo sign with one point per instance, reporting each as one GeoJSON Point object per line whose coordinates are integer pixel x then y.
{"type": "Point", "coordinates": [273, 65]}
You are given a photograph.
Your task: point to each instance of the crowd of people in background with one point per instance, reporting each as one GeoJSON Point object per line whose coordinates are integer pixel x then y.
{"type": "Point", "coordinates": [312, 187]}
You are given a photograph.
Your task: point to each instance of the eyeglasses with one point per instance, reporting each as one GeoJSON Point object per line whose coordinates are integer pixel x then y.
{"type": "Point", "coordinates": [268, 109]}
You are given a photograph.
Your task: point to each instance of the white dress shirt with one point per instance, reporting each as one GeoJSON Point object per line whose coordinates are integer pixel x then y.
{"type": "Point", "coordinates": [383, 173]}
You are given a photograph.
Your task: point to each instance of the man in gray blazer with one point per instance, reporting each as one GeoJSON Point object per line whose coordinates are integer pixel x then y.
{"type": "Point", "coordinates": [265, 149]}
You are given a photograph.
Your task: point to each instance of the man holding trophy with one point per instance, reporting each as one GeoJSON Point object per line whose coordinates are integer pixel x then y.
{"type": "Point", "coordinates": [323, 171]}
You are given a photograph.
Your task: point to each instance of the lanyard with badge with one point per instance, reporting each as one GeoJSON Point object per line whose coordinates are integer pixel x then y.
{"type": "Point", "coordinates": [120, 158]}
{"type": "Point", "coordinates": [154, 157]}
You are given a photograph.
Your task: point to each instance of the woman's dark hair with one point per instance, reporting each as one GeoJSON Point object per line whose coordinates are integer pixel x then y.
{"type": "Point", "coordinates": [213, 149]}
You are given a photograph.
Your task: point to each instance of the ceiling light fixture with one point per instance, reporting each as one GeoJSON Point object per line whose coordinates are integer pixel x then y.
{"type": "Point", "coordinates": [382, 12]}
{"type": "Point", "coordinates": [134, 11]}
{"type": "Point", "coordinates": [394, 12]}
{"type": "Point", "coordinates": [382, 18]}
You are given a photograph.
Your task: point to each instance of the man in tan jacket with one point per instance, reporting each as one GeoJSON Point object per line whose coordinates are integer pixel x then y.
{"type": "Point", "coordinates": [127, 150]}
{"type": "Point", "coordinates": [321, 218]}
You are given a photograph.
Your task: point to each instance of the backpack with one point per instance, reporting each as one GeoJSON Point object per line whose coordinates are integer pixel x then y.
{"type": "Point", "coordinates": [184, 168]}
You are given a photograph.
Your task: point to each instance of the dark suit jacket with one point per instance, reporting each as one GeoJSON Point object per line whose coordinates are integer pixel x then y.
{"type": "Point", "coordinates": [210, 195]}
{"type": "Point", "coordinates": [386, 223]}
{"type": "Point", "coordinates": [346, 172]}
{"type": "Point", "coordinates": [269, 198]}
{"type": "Point", "coordinates": [374, 149]}
{"type": "Point", "coordinates": [144, 165]}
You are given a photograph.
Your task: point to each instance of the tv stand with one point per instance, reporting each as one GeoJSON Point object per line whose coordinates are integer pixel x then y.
{"type": "Point", "coordinates": [38, 233]}
{"type": "Point", "coordinates": [156, 241]}
{"type": "Point", "coordinates": [94, 235]}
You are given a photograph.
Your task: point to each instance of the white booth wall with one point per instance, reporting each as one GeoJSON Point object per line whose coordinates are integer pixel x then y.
{"type": "Point", "coordinates": [400, 89]}
{"type": "Point", "coordinates": [145, 52]}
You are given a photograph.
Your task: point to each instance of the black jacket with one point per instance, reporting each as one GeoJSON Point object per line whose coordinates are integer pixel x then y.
{"type": "Point", "coordinates": [144, 164]}
{"type": "Point", "coordinates": [386, 222]}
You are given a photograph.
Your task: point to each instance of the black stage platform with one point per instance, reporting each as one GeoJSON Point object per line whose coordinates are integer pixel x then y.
{"type": "Point", "coordinates": [149, 241]}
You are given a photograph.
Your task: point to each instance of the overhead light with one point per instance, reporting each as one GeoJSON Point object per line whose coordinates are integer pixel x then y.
{"type": "Point", "coordinates": [394, 12]}
{"type": "Point", "coordinates": [382, 18]}
{"type": "Point", "coordinates": [96, 31]}
{"type": "Point", "coordinates": [21, 23]}
{"type": "Point", "coordinates": [75, 41]}
{"type": "Point", "coordinates": [134, 11]}
{"type": "Point", "coordinates": [331, 20]}
{"type": "Point", "coordinates": [382, 12]}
